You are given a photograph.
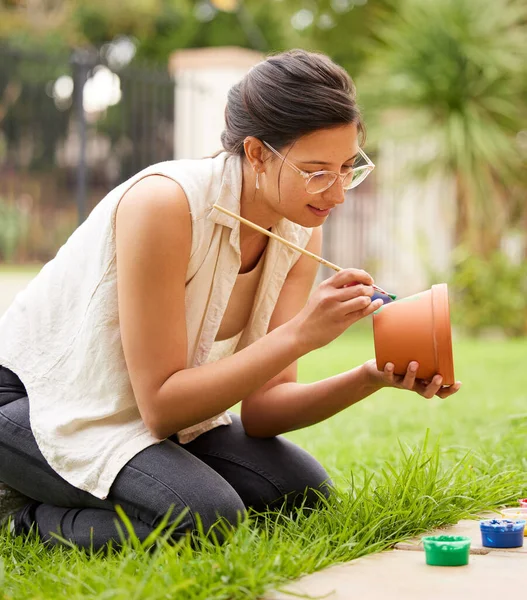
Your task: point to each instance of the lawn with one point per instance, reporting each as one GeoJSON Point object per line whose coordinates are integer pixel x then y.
{"type": "Point", "coordinates": [488, 415]}
{"type": "Point", "coordinates": [393, 482]}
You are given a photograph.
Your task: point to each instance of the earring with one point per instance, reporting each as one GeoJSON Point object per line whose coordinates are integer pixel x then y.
{"type": "Point", "coordinates": [257, 180]}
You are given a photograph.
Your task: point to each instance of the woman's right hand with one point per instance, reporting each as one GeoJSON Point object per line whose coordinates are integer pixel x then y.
{"type": "Point", "coordinates": [336, 303]}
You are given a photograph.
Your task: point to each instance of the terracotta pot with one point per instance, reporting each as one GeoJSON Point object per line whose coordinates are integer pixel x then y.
{"type": "Point", "coordinates": [416, 328]}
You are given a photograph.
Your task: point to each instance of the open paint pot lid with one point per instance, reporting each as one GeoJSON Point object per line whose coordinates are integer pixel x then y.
{"type": "Point", "coordinates": [503, 525]}
{"type": "Point", "coordinates": [515, 513]}
{"type": "Point", "coordinates": [446, 550]}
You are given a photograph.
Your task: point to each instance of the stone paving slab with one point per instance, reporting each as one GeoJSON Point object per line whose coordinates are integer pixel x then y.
{"type": "Point", "coordinates": [468, 528]}
{"type": "Point", "coordinates": [398, 575]}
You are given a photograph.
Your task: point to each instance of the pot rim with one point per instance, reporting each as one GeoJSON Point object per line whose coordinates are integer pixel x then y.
{"type": "Point", "coordinates": [442, 333]}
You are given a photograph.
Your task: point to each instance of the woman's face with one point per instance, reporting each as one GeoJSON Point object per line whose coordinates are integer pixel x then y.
{"type": "Point", "coordinates": [284, 190]}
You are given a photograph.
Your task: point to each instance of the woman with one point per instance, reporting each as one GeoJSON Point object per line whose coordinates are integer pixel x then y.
{"type": "Point", "coordinates": [161, 312]}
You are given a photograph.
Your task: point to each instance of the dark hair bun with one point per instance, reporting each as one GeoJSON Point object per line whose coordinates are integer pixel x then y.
{"type": "Point", "coordinates": [286, 96]}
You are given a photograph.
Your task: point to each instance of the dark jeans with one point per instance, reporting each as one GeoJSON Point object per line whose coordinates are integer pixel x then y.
{"type": "Point", "coordinates": [220, 474]}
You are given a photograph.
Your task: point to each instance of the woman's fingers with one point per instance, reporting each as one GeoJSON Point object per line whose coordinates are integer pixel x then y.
{"type": "Point", "coordinates": [389, 373]}
{"type": "Point", "coordinates": [361, 306]}
{"type": "Point", "coordinates": [426, 388]}
{"type": "Point", "coordinates": [409, 379]}
{"type": "Point", "coordinates": [353, 291]}
{"type": "Point", "coordinates": [447, 391]}
{"type": "Point", "coordinates": [433, 387]}
{"type": "Point", "coordinates": [350, 277]}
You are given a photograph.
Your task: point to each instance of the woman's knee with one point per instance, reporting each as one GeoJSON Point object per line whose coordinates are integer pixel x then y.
{"type": "Point", "coordinates": [263, 471]}
{"type": "Point", "coordinates": [305, 479]}
{"type": "Point", "coordinates": [224, 505]}
{"type": "Point", "coordinates": [210, 515]}
{"type": "Point", "coordinates": [190, 507]}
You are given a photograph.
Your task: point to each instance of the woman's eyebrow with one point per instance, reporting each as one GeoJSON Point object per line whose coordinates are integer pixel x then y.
{"type": "Point", "coordinates": [321, 162]}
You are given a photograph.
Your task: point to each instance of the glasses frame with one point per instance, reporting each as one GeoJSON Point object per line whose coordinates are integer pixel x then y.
{"type": "Point", "coordinates": [368, 168]}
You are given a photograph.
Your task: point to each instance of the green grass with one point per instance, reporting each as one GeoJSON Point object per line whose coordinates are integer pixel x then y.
{"type": "Point", "coordinates": [402, 465]}
{"type": "Point", "coordinates": [25, 269]}
{"type": "Point", "coordinates": [488, 414]}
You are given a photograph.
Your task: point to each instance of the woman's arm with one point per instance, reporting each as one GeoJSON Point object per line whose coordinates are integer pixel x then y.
{"type": "Point", "coordinates": [153, 248]}
{"type": "Point", "coordinates": [282, 404]}
{"type": "Point", "coordinates": [289, 405]}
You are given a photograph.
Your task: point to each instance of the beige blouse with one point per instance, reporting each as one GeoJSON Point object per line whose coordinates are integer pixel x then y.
{"type": "Point", "coordinates": [61, 334]}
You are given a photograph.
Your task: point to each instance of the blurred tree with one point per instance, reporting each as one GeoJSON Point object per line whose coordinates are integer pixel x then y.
{"type": "Point", "coordinates": [341, 28]}
{"type": "Point", "coordinates": [69, 23]}
{"type": "Point", "coordinates": [337, 27]}
{"type": "Point", "coordinates": [453, 72]}
{"type": "Point", "coordinates": [158, 26]}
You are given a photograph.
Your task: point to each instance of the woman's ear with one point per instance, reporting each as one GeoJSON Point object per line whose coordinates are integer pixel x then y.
{"type": "Point", "coordinates": [255, 153]}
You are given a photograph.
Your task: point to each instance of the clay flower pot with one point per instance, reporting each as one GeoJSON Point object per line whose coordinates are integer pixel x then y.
{"type": "Point", "coordinates": [416, 328]}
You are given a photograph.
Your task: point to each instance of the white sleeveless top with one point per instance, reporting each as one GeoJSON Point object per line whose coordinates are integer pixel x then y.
{"type": "Point", "coordinates": [61, 334]}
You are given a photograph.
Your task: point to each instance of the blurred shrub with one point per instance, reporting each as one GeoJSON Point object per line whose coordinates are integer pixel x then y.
{"type": "Point", "coordinates": [49, 232]}
{"type": "Point", "coordinates": [33, 234]}
{"type": "Point", "coordinates": [14, 225]}
{"type": "Point", "coordinates": [489, 293]}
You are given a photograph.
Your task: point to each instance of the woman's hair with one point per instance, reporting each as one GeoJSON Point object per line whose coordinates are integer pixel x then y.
{"type": "Point", "coordinates": [287, 96]}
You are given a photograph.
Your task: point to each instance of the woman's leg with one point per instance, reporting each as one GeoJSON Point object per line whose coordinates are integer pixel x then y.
{"type": "Point", "coordinates": [264, 471]}
{"type": "Point", "coordinates": [161, 477]}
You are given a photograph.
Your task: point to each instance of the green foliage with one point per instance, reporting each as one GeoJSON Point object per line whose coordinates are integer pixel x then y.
{"type": "Point", "coordinates": [33, 235]}
{"type": "Point", "coordinates": [454, 72]}
{"type": "Point", "coordinates": [489, 292]}
{"type": "Point", "coordinates": [14, 225]}
{"type": "Point", "coordinates": [343, 29]}
{"type": "Point", "coordinates": [159, 27]}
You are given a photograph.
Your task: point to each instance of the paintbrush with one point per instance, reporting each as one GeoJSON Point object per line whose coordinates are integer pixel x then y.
{"type": "Point", "coordinates": [270, 234]}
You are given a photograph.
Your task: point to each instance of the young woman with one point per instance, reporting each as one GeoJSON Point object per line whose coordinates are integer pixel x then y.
{"type": "Point", "coordinates": [122, 357]}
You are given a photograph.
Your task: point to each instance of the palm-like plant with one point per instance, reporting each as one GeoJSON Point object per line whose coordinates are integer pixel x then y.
{"type": "Point", "coordinates": [454, 71]}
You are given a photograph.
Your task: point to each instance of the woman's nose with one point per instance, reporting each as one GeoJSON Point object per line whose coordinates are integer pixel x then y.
{"type": "Point", "coordinates": [335, 194]}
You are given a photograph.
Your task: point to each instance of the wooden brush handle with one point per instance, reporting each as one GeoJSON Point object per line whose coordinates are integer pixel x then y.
{"type": "Point", "coordinates": [270, 234]}
{"type": "Point", "coordinates": [321, 260]}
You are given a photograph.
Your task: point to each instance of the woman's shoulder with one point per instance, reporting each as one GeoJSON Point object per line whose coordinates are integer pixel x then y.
{"type": "Point", "coordinates": [199, 179]}
{"type": "Point", "coordinates": [152, 203]}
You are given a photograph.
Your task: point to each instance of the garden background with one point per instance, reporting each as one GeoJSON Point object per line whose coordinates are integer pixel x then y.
{"type": "Point", "coordinates": [443, 88]}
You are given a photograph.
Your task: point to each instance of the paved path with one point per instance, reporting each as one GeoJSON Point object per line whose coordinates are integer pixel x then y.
{"type": "Point", "coordinates": [402, 573]}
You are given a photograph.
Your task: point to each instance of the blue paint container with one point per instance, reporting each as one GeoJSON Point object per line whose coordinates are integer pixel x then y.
{"type": "Point", "coordinates": [502, 533]}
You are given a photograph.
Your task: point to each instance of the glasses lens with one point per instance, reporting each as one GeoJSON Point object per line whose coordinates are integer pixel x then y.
{"type": "Point", "coordinates": [358, 175]}
{"type": "Point", "coordinates": [320, 182]}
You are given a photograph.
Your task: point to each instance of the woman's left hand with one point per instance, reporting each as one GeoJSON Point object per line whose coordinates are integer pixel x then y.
{"type": "Point", "coordinates": [426, 388]}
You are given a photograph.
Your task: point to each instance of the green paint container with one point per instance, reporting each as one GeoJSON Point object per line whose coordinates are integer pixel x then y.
{"type": "Point", "coordinates": [446, 550]}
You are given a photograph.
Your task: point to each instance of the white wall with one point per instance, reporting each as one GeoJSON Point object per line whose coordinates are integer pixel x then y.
{"type": "Point", "coordinates": [203, 78]}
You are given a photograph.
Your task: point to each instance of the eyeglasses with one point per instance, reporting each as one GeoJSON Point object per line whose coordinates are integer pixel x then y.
{"type": "Point", "coordinates": [320, 181]}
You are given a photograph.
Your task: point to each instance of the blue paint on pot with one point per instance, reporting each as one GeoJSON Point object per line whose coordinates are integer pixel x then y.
{"type": "Point", "coordinates": [502, 533]}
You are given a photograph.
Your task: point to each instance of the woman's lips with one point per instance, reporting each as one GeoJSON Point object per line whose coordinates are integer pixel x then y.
{"type": "Point", "coordinates": [319, 212]}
